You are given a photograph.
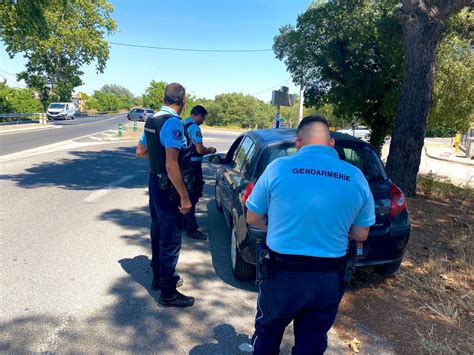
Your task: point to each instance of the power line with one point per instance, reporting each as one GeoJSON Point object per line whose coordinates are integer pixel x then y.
{"type": "Point", "coordinates": [192, 49]}
{"type": "Point", "coordinates": [15, 83]}
{"type": "Point", "coordinates": [274, 86]}
{"type": "Point", "coordinates": [3, 71]}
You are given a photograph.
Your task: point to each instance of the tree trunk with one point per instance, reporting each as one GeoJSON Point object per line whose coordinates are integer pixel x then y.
{"type": "Point", "coordinates": [421, 36]}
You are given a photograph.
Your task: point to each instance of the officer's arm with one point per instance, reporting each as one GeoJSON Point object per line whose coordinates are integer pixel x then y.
{"type": "Point", "coordinates": [174, 173]}
{"type": "Point", "coordinates": [257, 220]}
{"type": "Point", "coordinates": [142, 150]}
{"type": "Point", "coordinates": [358, 233]}
{"type": "Point", "coordinates": [201, 149]}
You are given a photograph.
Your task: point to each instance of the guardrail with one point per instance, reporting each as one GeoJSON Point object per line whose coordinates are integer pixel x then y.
{"type": "Point", "coordinates": [18, 115]}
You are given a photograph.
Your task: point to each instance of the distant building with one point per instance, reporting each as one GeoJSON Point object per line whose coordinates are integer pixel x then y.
{"type": "Point", "coordinates": [78, 102]}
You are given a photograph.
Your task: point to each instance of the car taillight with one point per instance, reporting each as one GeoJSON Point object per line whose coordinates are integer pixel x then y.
{"type": "Point", "coordinates": [247, 192]}
{"type": "Point", "coordinates": [398, 201]}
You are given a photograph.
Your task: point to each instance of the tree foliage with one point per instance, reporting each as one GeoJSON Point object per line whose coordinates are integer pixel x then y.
{"type": "Point", "coordinates": [236, 109]}
{"type": "Point", "coordinates": [70, 34]}
{"type": "Point", "coordinates": [112, 97]}
{"type": "Point", "coordinates": [348, 54]}
{"type": "Point", "coordinates": [15, 100]}
{"type": "Point", "coordinates": [154, 93]}
{"type": "Point", "coordinates": [453, 93]}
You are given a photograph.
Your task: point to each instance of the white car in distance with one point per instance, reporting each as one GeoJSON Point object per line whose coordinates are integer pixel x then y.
{"type": "Point", "coordinates": [361, 132]}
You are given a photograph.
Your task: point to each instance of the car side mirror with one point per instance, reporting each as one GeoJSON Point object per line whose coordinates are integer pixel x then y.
{"type": "Point", "coordinates": [215, 159]}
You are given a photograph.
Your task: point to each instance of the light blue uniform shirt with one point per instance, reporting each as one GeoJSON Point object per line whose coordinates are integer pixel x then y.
{"type": "Point", "coordinates": [312, 198]}
{"type": "Point", "coordinates": [172, 132]}
{"type": "Point", "coordinates": [195, 133]}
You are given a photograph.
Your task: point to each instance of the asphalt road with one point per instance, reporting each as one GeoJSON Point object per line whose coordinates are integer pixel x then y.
{"type": "Point", "coordinates": [13, 142]}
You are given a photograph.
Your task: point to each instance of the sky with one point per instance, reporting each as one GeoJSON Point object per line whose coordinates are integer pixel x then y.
{"type": "Point", "coordinates": [195, 24]}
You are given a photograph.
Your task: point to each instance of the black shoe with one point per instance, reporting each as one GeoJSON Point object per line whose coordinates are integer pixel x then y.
{"type": "Point", "coordinates": [197, 235]}
{"type": "Point", "coordinates": [155, 284]}
{"type": "Point", "coordinates": [177, 300]}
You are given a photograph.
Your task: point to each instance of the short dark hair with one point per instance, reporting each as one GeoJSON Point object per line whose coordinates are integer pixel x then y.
{"type": "Point", "coordinates": [174, 94]}
{"type": "Point", "coordinates": [312, 119]}
{"type": "Point", "coordinates": [199, 110]}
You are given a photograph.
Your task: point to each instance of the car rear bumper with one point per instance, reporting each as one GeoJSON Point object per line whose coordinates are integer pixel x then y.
{"type": "Point", "coordinates": [387, 248]}
{"type": "Point", "coordinates": [379, 249]}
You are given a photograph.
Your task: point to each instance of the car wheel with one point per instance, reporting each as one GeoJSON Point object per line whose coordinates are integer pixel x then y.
{"type": "Point", "coordinates": [73, 117]}
{"type": "Point", "coordinates": [217, 200]}
{"type": "Point", "coordinates": [387, 269]}
{"type": "Point", "coordinates": [240, 268]}
{"type": "Point", "coordinates": [367, 136]}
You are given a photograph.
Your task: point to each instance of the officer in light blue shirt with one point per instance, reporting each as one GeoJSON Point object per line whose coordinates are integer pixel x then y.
{"type": "Point", "coordinates": [311, 204]}
{"type": "Point", "coordinates": [191, 125]}
{"type": "Point", "coordinates": [164, 142]}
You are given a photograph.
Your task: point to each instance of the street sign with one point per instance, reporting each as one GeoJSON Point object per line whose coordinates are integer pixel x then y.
{"type": "Point", "coordinates": [282, 125]}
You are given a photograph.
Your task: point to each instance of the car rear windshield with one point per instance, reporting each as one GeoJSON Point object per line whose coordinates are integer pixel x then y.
{"type": "Point", "coordinates": [359, 155]}
{"type": "Point", "coordinates": [57, 105]}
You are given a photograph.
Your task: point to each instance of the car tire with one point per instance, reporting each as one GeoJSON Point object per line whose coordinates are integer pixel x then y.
{"type": "Point", "coordinates": [73, 117]}
{"type": "Point", "coordinates": [240, 268]}
{"type": "Point", "coordinates": [217, 200]}
{"type": "Point", "coordinates": [388, 269]}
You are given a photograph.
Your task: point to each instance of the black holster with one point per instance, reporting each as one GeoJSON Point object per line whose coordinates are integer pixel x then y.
{"type": "Point", "coordinates": [350, 263]}
{"type": "Point", "coordinates": [264, 266]}
{"type": "Point", "coordinates": [190, 182]}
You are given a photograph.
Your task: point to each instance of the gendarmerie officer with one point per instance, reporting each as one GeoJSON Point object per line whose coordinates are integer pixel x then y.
{"type": "Point", "coordinates": [165, 143]}
{"type": "Point", "coordinates": [191, 125]}
{"type": "Point", "coordinates": [310, 219]}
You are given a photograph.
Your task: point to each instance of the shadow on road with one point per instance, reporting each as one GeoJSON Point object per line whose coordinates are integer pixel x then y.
{"type": "Point", "coordinates": [85, 170]}
{"type": "Point", "coordinates": [228, 342]}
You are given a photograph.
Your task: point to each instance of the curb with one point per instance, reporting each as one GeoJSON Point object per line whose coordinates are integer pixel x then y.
{"type": "Point", "coordinates": [446, 159]}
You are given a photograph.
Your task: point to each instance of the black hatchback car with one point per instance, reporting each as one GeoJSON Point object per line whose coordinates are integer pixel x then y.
{"type": "Point", "coordinates": [248, 157]}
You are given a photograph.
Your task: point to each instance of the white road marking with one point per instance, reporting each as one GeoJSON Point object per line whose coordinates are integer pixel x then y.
{"type": "Point", "coordinates": [50, 148]}
{"type": "Point", "coordinates": [21, 130]}
{"type": "Point", "coordinates": [51, 341]}
{"type": "Point", "coordinates": [97, 195]}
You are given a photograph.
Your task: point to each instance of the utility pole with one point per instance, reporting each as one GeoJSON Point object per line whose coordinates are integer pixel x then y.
{"type": "Point", "coordinates": [300, 108]}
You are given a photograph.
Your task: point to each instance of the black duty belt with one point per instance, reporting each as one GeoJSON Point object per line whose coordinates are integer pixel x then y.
{"type": "Point", "coordinates": [301, 263]}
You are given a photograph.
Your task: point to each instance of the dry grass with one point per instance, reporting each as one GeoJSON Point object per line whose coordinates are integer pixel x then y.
{"type": "Point", "coordinates": [433, 185]}
{"type": "Point", "coordinates": [433, 343]}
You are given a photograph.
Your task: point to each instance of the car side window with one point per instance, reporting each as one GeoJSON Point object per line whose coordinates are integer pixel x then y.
{"type": "Point", "coordinates": [229, 157]}
{"type": "Point", "coordinates": [241, 154]}
{"type": "Point", "coordinates": [248, 159]}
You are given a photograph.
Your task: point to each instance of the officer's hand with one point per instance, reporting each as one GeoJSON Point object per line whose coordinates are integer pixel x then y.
{"type": "Point", "coordinates": [212, 150]}
{"type": "Point", "coordinates": [185, 206]}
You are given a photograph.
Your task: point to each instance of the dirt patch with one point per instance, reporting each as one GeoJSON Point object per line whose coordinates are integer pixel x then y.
{"type": "Point", "coordinates": [428, 306]}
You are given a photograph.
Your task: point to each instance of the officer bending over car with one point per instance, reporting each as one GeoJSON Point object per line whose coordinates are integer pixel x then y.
{"type": "Point", "coordinates": [310, 219]}
{"type": "Point", "coordinates": [191, 125]}
{"type": "Point", "coordinates": [167, 146]}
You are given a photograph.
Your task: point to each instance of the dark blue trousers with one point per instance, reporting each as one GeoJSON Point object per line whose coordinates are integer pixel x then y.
{"type": "Point", "coordinates": [165, 241]}
{"type": "Point", "coordinates": [309, 299]}
{"type": "Point", "coordinates": [190, 218]}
